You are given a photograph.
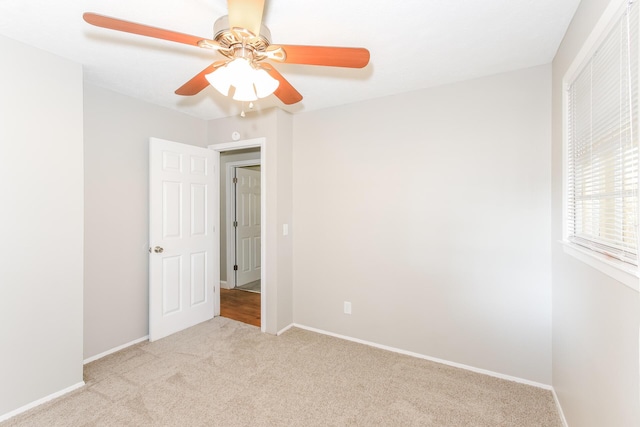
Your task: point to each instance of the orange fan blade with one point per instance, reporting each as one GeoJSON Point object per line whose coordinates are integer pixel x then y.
{"type": "Point", "coordinates": [198, 82]}
{"type": "Point", "coordinates": [140, 29]}
{"type": "Point", "coordinates": [246, 14]}
{"type": "Point", "coordinates": [285, 92]}
{"type": "Point", "coordinates": [350, 57]}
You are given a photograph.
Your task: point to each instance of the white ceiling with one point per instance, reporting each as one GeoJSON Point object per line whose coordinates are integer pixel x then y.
{"type": "Point", "coordinates": [414, 44]}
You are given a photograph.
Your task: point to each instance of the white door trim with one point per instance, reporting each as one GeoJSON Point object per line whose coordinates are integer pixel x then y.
{"type": "Point", "coordinates": [231, 243]}
{"type": "Point", "coordinates": [265, 286]}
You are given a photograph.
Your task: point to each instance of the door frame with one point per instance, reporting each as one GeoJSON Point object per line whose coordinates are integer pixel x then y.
{"type": "Point", "coordinates": [265, 285]}
{"type": "Point", "coordinates": [231, 202]}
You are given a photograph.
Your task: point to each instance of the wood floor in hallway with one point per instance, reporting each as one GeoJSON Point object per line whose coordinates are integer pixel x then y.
{"type": "Point", "coordinates": [240, 305]}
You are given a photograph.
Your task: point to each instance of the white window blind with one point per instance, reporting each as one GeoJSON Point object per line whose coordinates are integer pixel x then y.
{"type": "Point", "coordinates": [602, 149]}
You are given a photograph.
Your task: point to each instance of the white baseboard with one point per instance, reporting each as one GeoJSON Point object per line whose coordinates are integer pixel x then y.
{"type": "Point", "coordinates": [285, 329]}
{"type": "Point", "coordinates": [39, 402]}
{"type": "Point", "coordinates": [224, 284]}
{"type": "Point", "coordinates": [113, 350]}
{"type": "Point", "coordinates": [432, 359]}
{"type": "Point", "coordinates": [559, 408]}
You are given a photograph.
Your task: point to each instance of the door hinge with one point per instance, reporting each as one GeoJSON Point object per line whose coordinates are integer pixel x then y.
{"type": "Point", "coordinates": [235, 223]}
{"type": "Point", "coordinates": [235, 267]}
{"type": "Point", "coordinates": [235, 180]}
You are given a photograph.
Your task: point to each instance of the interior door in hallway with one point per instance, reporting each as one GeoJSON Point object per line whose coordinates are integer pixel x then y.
{"type": "Point", "coordinates": [248, 225]}
{"type": "Point", "coordinates": [183, 259]}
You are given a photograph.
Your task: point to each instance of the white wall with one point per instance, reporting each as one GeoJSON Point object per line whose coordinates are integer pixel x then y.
{"type": "Point", "coordinates": [284, 165]}
{"type": "Point", "coordinates": [276, 127]}
{"type": "Point", "coordinates": [117, 130]}
{"type": "Point", "coordinates": [41, 225]}
{"type": "Point", "coordinates": [595, 318]}
{"type": "Point", "coordinates": [430, 213]}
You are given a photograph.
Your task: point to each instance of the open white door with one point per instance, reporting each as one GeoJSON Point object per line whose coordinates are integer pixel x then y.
{"type": "Point", "coordinates": [248, 225]}
{"type": "Point", "coordinates": [183, 260]}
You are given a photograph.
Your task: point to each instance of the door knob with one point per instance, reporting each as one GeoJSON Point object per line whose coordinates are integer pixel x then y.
{"type": "Point", "coordinates": [158, 250]}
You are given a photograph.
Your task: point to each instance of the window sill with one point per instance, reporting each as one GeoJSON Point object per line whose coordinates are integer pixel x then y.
{"type": "Point", "coordinates": [618, 270]}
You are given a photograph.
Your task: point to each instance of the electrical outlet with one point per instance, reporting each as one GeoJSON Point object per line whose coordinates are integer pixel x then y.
{"type": "Point", "coordinates": [347, 307]}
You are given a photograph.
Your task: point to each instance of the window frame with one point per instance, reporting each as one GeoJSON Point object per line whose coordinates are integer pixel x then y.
{"type": "Point", "coordinates": [623, 272]}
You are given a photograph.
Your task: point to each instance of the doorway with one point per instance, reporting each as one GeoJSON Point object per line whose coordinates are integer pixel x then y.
{"type": "Point", "coordinates": [241, 209]}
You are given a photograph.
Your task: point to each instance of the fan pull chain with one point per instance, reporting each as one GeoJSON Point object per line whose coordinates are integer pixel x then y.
{"type": "Point", "coordinates": [242, 113]}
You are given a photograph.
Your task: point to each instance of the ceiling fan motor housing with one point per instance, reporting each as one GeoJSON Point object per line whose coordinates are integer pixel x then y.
{"type": "Point", "coordinates": [239, 38]}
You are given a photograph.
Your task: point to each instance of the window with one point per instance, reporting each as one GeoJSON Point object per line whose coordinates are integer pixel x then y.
{"type": "Point", "coordinates": [601, 145]}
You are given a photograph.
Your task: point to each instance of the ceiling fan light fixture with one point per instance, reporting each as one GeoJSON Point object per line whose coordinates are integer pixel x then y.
{"type": "Point", "coordinates": [241, 71]}
{"type": "Point", "coordinates": [245, 92]}
{"type": "Point", "coordinates": [220, 79]}
{"type": "Point", "coordinates": [264, 83]}
{"type": "Point", "coordinates": [250, 82]}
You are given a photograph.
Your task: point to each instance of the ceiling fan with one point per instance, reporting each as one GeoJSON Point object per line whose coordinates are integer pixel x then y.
{"type": "Point", "coordinates": [246, 45]}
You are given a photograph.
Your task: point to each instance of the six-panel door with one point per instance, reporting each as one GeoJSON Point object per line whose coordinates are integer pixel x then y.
{"type": "Point", "coordinates": [183, 260]}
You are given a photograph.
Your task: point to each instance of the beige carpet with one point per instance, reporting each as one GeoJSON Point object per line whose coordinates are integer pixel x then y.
{"type": "Point", "coordinates": [226, 373]}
